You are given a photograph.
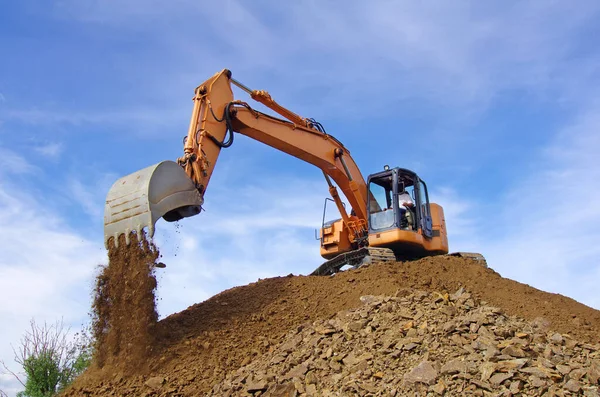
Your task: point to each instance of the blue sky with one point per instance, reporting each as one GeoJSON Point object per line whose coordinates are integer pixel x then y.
{"type": "Point", "coordinates": [495, 105]}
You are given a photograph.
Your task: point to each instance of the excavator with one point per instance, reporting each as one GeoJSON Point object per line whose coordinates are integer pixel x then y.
{"type": "Point", "coordinates": [391, 217]}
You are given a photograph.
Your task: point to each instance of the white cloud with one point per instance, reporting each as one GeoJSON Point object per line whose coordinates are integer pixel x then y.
{"type": "Point", "coordinates": [51, 150]}
{"type": "Point", "coordinates": [53, 115]}
{"type": "Point", "coordinates": [13, 163]}
{"type": "Point", "coordinates": [458, 54]}
{"type": "Point", "coordinates": [544, 231]}
{"type": "Point", "coordinates": [88, 191]}
{"type": "Point", "coordinates": [47, 268]}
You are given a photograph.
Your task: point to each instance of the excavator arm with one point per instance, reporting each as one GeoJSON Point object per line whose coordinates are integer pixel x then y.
{"type": "Point", "coordinates": [176, 190]}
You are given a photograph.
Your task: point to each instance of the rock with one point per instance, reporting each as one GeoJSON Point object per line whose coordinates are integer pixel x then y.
{"type": "Point", "coordinates": [537, 382]}
{"type": "Point", "coordinates": [325, 330]}
{"type": "Point", "coordinates": [537, 371]}
{"type": "Point", "coordinates": [557, 339]}
{"type": "Point", "coordinates": [311, 390]}
{"type": "Point", "coordinates": [577, 374]}
{"type": "Point", "coordinates": [410, 346]}
{"type": "Point", "coordinates": [513, 351]}
{"type": "Point", "coordinates": [439, 388]}
{"type": "Point", "coordinates": [510, 365]}
{"type": "Point", "coordinates": [255, 386]}
{"type": "Point", "coordinates": [563, 369]}
{"type": "Point", "coordinates": [487, 369]}
{"type": "Point", "coordinates": [311, 378]}
{"type": "Point", "coordinates": [350, 360]}
{"type": "Point", "coordinates": [498, 379]}
{"type": "Point", "coordinates": [422, 373]}
{"type": "Point", "coordinates": [454, 366]}
{"type": "Point", "coordinates": [541, 324]}
{"type": "Point", "coordinates": [573, 386]}
{"type": "Point", "coordinates": [155, 382]}
{"type": "Point", "coordinates": [284, 390]}
{"type": "Point", "coordinates": [593, 373]}
{"type": "Point", "coordinates": [278, 359]}
{"type": "Point", "coordinates": [297, 372]}
{"type": "Point", "coordinates": [516, 386]}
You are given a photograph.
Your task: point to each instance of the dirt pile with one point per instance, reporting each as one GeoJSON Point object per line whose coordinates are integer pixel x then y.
{"type": "Point", "coordinates": [417, 343]}
{"type": "Point", "coordinates": [124, 312]}
{"type": "Point", "coordinates": [201, 346]}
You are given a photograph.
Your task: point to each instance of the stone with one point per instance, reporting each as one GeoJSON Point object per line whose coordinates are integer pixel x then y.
{"type": "Point", "coordinates": [536, 371]}
{"type": "Point", "coordinates": [516, 386]}
{"type": "Point", "coordinates": [454, 366]}
{"type": "Point", "coordinates": [557, 339]}
{"type": "Point", "coordinates": [577, 374]}
{"type": "Point", "coordinates": [537, 382]}
{"type": "Point", "coordinates": [573, 386]}
{"type": "Point", "coordinates": [487, 369]}
{"type": "Point", "coordinates": [541, 324]}
{"type": "Point", "coordinates": [439, 388]}
{"type": "Point", "coordinates": [409, 346]}
{"type": "Point", "coordinates": [350, 360]}
{"type": "Point", "coordinates": [510, 365]}
{"type": "Point", "coordinates": [284, 390]}
{"type": "Point", "coordinates": [325, 330]}
{"type": "Point", "coordinates": [356, 326]}
{"type": "Point", "coordinates": [513, 351]}
{"type": "Point", "coordinates": [593, 373]}
{"type": "Point", "coordinates": [255, 386]}
{"type": "Point", "coordinates": [297, 372]}
{"type": "Point", "coordinates": [278, 359]}
{"type": "Point", "coordinates": [155, 382]}
{"type": "Point", "coordinates": [499, 378]}
{"type": "Point", "coordinates": [422, 373]}
{"type": "Point", "coordinates": [311, 378]}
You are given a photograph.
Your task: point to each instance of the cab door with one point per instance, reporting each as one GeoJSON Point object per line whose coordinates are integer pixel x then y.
{"type": "Point", "coordinates": [426, 222]}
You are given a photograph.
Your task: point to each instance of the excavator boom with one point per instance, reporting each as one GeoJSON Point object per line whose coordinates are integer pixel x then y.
{"type": "Point", "coordinates": [173, 191]}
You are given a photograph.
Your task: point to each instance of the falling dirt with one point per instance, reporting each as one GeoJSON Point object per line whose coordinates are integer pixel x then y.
{"type": "Point", "coordinates": [195, 349]}
{"type": "Point", "coordinates": [124, 312]}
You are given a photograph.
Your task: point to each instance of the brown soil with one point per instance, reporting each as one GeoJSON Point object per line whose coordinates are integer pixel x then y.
{"type": "Point", "coordinates": [197, 348]}
{"type": "Point", "coordinates": [124, 313]}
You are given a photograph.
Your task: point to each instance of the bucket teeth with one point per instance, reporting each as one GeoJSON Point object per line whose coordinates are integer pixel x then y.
{"type": "Point", "coordinates": [137, 201]}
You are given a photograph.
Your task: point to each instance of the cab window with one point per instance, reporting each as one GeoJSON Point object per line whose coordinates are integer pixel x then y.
{"type": "Point", "coordinates": [381, 216]}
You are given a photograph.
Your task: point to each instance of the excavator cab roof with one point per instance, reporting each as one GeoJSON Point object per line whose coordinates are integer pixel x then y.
{"type": "Point", "coordinates": [406, 176]}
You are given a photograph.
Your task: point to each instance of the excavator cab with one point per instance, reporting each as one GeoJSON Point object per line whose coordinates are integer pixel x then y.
{"type": "Point", "coordinates": [398, 199]}
{"type": "Point", "coordinates": [401, 217]}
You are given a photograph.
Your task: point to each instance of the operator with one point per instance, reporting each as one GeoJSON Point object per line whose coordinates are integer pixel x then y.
{"type": "Point", "coordinates": [405, 202]}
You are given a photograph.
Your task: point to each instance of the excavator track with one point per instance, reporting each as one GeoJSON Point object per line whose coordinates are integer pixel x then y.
{"type": "Point", "coordinates": [355, 259]}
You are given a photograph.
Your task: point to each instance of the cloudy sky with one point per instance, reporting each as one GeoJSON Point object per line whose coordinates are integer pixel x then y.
{"type": "Point", "coordinates": [495, 105]}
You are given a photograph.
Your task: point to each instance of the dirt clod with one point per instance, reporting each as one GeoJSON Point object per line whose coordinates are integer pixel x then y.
{"type": "Point", "coordinates": [124, 312]}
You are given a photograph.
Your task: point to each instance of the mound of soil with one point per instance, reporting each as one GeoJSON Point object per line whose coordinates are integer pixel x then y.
{"type": "Point", "coordinates": [417, 343]}
{"type": "Point", "coordinates": [197, 348]}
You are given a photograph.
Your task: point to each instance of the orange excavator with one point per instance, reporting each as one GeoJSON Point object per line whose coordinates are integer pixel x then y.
{"type": "Point", "coordinates": [391, 217]}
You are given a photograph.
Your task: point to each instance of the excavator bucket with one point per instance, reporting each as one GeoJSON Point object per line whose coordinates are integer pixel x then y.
{"type": "Point", "coordinates": [136, 201]}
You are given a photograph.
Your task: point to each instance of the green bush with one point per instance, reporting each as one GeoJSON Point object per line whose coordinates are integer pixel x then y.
{"type": "Point", "coordinates": [50, 359]}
